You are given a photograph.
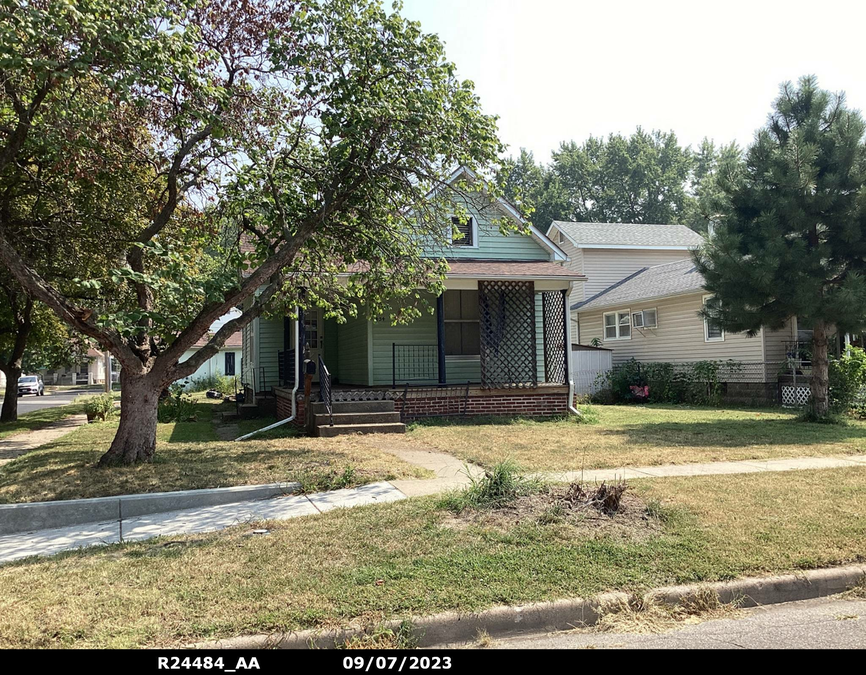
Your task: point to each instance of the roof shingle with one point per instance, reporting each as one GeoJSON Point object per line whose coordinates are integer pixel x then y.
{"type": "Point", "coordinates": [629, 234]}
{"type": "Point", "coordinates": [660, 281]}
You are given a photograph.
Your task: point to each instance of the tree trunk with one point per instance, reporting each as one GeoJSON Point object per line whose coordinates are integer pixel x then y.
{"type": "Point", "coordinates": [820, 382]}
{"type": "Point", "coordinates": [9, 413]}
{"type": "Point", "coordinates": [135, 440]}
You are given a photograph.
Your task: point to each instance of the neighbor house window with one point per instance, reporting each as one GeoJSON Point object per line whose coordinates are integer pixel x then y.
{"type": "Point", "coordinates": [561, 238]}
{"type": "Point", "coordinates": [713, 331]}
{"type": "Point", "coordinates": [617, 325]}
{"type": "Point", "coordinates": [462, 324]}
{"type": "Point", "coordinates": [463, 231]}
{"type": "Point", "coordinates": [230, 364]}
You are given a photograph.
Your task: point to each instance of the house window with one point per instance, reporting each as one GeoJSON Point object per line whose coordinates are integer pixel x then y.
{"type": "Point", "coordinates": [617, 325]}
{"type": "Point", "coordinates": [561, 238]}
{"type": "Point", "coordinates": [462, 232]}
{"type": "Point", "coordinates": [713, 331]}
{"type": "Point", "coordinates": [462, 324]}
{"type": "Point", "coordinates": [230, 364]}
{"type": "Point", "coordinates": [647, 318]}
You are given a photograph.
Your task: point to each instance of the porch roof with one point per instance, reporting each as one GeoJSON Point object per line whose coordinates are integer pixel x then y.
{"type": "Point", "coordinates": [499, 269]}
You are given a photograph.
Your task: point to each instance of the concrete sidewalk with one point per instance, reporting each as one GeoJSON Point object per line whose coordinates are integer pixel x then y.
{"type": "Point", "coordinates": [189, 521]}
{"type": "Point", "coordinates": [16, 445]}
{"type": "Point", "coordinates": [451, 473]}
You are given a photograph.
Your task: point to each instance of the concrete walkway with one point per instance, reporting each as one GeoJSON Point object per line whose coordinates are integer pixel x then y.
{"type": "Point", "coordinates": [15, 446]}
{"type": "Point", "coordinates": [189, 521]}
{"type": "Point", "coordinates": [450, 472]}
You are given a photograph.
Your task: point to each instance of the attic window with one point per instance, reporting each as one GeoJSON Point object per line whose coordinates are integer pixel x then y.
{"type": "Point", "coordinates": [561, 237]}
{"type": "Point", "coordinates": [462, 232]}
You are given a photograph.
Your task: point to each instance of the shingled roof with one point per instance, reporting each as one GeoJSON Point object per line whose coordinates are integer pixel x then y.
{"type": "Point", "coordinates": [660, 281]}
{"type": "Point", "coordinates": [599, 235]}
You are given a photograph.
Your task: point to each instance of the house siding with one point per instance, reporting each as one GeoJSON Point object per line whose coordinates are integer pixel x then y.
{"type": "Point", "coordinates": [352, 345]}
{"type": "Point", "coordinates": [679, 337]}
{"type": "Point", "coordinates": [492, 244]}
{"type": "Point", "coordinates": [214, 365]}
{"type": "Point", "coordinates": [604, 267]}
{"type": "Point", "coordinates": [270, 344]}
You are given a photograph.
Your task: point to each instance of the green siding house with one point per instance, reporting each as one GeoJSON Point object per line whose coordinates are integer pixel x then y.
{"type": "Point", "coordinates": [498, 340]}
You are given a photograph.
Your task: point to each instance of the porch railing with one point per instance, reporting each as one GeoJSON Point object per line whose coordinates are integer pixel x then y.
{"type": "Point", "coordinates": [414, 363]}
{"type": "Point", "coordinates": [325, 393]}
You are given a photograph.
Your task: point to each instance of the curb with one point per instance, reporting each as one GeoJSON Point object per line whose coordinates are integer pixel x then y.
{"type": "Point", "coordinates": [31, 516]}
{"type": "Point", "coordinates": [452, 627]}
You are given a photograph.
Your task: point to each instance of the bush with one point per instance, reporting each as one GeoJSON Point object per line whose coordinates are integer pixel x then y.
{"type": "Point", "coordinates": [225, 384]}
{"type": "Point", "coordinates": [178, 406]}
{"type": "Point", "coordinates": [99, 407]}
{"type": "Point", "coordinates": [847, 379]}
{"type": "Point", "coordinates": [698, 383]}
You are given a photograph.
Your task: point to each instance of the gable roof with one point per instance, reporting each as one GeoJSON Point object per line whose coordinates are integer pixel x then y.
{"type": "Point", "coordinates": [556, 253]}
{"type": "Point", "coordinates": [235, 340]}
{"type": "Point", "coordinates": [628, 235]}
{"type": "Point", "coordinates": [676, 278]}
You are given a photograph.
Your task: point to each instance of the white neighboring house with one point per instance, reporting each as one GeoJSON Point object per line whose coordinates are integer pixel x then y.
{"type": "Point", "coordinates": [226, 362]}
{"type": "Point", "coordinates": [609, 252]}
{"type": "Point", "coordinates": [91, 370]}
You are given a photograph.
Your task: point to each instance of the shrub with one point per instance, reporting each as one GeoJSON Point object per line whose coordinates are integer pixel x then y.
{"type": "Point", "coordinates": [178, 406]}
{"type": "Point", "coordinates": [225, 384]}
{"type": "Point", "coordinates": [659, 382]}
{"type": "Point", "coordinates": [99, 407]}
{"type": "Point", "coordinates": [847, 379]}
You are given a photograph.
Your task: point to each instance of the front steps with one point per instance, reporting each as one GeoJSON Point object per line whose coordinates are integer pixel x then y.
{"type": "Point", "coordinates": [356, 417]}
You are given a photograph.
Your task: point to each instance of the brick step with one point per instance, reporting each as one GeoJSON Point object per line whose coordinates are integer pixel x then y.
{"type": "Point", "coordinates": [355, 407]}
{"type": "Point", "coordinates": [341, 429]}
{"type": "Point", "coordinates": [320, 419]}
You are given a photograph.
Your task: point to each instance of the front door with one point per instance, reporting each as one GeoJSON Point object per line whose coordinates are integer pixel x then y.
{"type": "Point", "coordinates": [314, 336]}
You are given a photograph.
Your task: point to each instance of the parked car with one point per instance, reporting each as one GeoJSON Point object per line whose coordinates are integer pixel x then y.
{"type": "Point", "coordinates": [31, 384]}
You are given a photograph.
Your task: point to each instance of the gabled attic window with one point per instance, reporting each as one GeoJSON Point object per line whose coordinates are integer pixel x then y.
{"type": "Point", "coordinates": [465, 229]}
{"type": "Point", "coordinates": [561, 237]}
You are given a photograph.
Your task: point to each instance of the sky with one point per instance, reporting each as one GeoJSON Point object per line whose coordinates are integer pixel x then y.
{"type": "Point", "coordinates": [557, 70]}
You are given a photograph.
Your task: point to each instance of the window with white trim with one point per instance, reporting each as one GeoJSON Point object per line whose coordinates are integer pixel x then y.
{"type": "Point", "coordinates": [463, 231]}
{"type": "Point", "coordinates": [713, 331]}
{"type": "Point", "coordinates": [562, 238]}
{"type": "Point", "coordinates": [617, 325]}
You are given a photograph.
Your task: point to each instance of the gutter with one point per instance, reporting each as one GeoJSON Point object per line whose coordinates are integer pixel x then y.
{"type": "Point", "coordinates": [294, 389]}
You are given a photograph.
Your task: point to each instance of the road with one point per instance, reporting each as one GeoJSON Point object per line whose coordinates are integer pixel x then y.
{"type": "Point", "coordinates": [30, 403]}
{"type": "Point", "coordinates": [823, 623]}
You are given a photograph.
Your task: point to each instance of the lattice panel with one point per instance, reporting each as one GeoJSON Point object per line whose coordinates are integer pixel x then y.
{"type": "Point", "coordinates": [554, 316]}
{"type": "Point", "coordinates": [507, 310]}
{"type": "Point", "coordinates": [795, 397]}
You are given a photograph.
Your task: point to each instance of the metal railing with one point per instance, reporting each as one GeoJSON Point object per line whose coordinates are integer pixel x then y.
{"type": "Point", "coordinates": [414, 363]}
{"type": "Point", "coordinates": [325, 392]}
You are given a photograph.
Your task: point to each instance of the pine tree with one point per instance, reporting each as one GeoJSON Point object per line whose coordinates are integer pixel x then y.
{"type": "Point", "coordinates": [791, 238]}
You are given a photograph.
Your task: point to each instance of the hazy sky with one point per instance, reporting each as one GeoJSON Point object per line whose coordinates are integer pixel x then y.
{"type": "Point", "coordinates": [556, 70]}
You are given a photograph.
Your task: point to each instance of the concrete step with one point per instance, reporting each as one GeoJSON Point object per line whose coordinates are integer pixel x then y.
{"type": "Point", "coordinates": [320, 419]}
{"type": "Point", "coordinates": [341, 429]}
{"type": "Point", "coordinates": [355, 407]}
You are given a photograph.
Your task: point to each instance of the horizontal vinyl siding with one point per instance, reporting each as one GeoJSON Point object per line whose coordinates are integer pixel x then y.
{"type": "Point", "coordinates": [352, 347]}
{"type": "Point", "coordinates": [678, 338]}
{"type": "Point", "coordinates": [270, 344]}
{"type": "Point", "coordinates": [492, 244]}
{"type": "Point", "coordinates": [422, 331]}
{"type": "Point", "coordinates": [604, 267]}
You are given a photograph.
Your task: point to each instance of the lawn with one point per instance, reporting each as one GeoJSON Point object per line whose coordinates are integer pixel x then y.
{"type": "Point", "coordinates": [190, 455]}
{"type": "Point", "coordinates": [39, 419]}
{"type": "Point", "coordinates": [327, 570]}
{"type": "Point", "coordinates": [642, 436]}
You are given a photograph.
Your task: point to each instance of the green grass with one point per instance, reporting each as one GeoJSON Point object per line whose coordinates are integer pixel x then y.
{"type": "Point", "coordinates": [189, 456]}
{"type": "Point", "coordinates": [365, 565]}
{"type": "Point", "coordinates": [39, 419]}
{"type": "Point", "coordinates": [641, 436]}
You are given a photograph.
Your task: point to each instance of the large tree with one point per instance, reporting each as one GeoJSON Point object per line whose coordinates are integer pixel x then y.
{"type": "Point", "coordinates": [290, 139]}
{"type": "Point", "coordinates": [791, 239]}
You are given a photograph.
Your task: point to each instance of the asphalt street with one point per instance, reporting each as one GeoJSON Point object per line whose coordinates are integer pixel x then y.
{"type": "Point", "coordinates": [825, 623]}
{"type": "Point", "coordinates": [30, 403]}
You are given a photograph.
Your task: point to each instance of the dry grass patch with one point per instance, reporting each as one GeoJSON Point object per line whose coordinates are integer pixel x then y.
{"type": "Point", "coordinates": [641, 436]}
{"type": "Point", "coordinates": [189, 456]}
{"type": "Point", "coordinates": [362, 567]}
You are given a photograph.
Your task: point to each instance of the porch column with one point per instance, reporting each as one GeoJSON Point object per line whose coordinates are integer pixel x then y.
{"type": "Point", "coordinates": [440, 335]}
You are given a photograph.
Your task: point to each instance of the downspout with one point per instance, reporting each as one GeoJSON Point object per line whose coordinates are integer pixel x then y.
{"type": "Point", "coordinates": [294, 389]}
{"type": "Point", "coordinates": [569, 352]}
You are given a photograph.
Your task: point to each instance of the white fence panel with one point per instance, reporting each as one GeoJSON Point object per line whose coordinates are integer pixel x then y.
{"type": "Point", "coordinates": [590, 364]}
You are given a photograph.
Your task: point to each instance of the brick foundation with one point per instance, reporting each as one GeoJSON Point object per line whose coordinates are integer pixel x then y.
{"type": "Point", "coordinates": [541, 402]}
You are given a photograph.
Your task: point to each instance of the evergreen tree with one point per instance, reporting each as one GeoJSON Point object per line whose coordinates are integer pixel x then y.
{"type": "Point", "coordinates": [791, 239]}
